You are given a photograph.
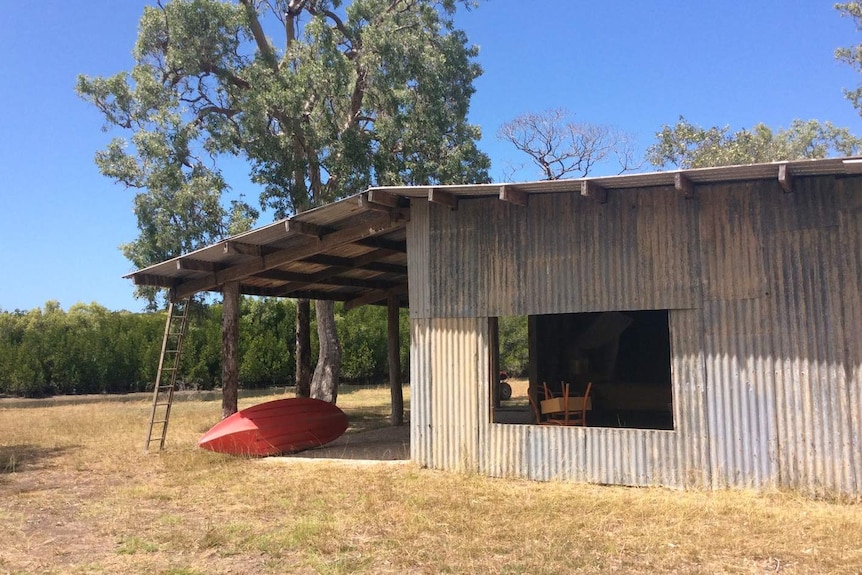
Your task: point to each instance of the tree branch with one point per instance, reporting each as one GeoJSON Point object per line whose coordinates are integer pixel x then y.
{"type": "Point", "coordinates": [259, 37]}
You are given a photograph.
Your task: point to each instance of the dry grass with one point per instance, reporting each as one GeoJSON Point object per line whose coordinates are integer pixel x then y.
{"type": "Point", "coordinates": [77, 495]}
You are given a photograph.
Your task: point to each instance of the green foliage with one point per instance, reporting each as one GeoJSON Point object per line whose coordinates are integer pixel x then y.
{"type": "Point", "coordinates": [372, 93]}
{"type": "Point", "coordinates": [514, 345]}
{"type": "Point", "coordinates": [266, 342]}
{"type": "Point", "coordinates": [852, 55]}
{"type": "Point", "coordinates": [686, 145]}
{"type": "Point", "coordinates": [89, 349]}
{"type": "Point", "coordinates": [362, 333]}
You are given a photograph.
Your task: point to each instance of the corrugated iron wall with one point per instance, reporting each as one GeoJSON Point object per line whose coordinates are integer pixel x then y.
{"type": "Point", "coordinates": [765, 320]}
{"type": "Point", "coordinates": [449, 358]}
{"type": "Point", "coordinates": [676, 458]}
{"type": "Point", "coordinates": [491, 258]}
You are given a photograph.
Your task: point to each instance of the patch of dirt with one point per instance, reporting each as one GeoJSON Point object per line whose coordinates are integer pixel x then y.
{"type": "Point", "coordinates": [384, 444]}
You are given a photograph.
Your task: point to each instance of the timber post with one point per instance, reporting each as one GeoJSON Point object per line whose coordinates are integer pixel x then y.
{"type": "Point", "coordinates": [393, 343]}
{"type": "Point", "coordinates": [229, 348]}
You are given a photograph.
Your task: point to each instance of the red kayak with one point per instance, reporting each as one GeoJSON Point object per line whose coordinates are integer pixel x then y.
{"type": "Point", "coordinates": [277, 427]}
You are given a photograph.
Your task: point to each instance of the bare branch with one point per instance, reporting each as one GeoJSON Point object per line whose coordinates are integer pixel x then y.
{"type": "Point", "coordinates": [560, 147]}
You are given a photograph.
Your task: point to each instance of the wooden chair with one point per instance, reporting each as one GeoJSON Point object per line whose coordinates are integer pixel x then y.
{"type": "Point", "coordinates": [579, 417]}
{"type": "Point", "coordinates": [535, 403]}
{"type": "Point", "coordinates": [566, 410]}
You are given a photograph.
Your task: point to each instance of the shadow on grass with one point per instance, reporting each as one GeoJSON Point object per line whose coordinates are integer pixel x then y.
{"type": "Point", "coordinates": [15, 458]}
{"type": "Point", "coordinates": [362, 419]}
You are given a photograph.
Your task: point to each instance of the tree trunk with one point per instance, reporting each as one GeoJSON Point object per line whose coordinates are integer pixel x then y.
{"type": "Point", "coordinates": [229, 353]}
{"type": "Point", "coordinates": [324, 384]}
{"type": "Point", "coordinates": [303, 348]}
{"type": "Point", "coordinates": [394, 345]}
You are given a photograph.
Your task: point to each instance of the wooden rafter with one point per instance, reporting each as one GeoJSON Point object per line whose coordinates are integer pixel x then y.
{"type": "Point", "coordinates": [375, 296]}
{"type": "Point", "coordinates": [438, 196]}
{"type": "Point", "coordinates": [379, 200]}
{"type": "Point", "coordinates": [513, 195]}
{"type": "Point", "coordinates": [153, 280]}
{"type": "Point", "coordinates": [239, 248]}
{"type": "Point", "coordinates": [280, 258]}
{"type": "Point", "coordinates": [683, 184]}
{"type": "Point", "coordinates": [591, 189]}
{"type": "Point", "coordinates": [306, 229]}
{"type": "Point", "coordinates": [190, 264]}
{"type": "Point", "coordinates": [785, 178]}
{"type": "Point", "coordinates": [382, 244]}
{"type": "Point", "coordinates": [364, 262]}
{"type": "Point", "coordinates": [325, 277]}
{"type": "Point", "coordinates": [300, 294]}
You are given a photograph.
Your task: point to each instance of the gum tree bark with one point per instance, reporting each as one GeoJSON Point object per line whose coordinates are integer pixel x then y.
{"type": "Point", "coordinates": [324, 384]}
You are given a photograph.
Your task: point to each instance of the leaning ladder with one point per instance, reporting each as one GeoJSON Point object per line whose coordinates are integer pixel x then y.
{"type": "Point", "coordinates": [166, 378]}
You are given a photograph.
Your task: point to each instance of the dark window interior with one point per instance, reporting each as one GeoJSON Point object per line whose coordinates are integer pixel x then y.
{"type": "Point", "coordinates": [625, 355]}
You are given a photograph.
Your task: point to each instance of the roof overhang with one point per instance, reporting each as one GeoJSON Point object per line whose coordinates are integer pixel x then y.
{"type": "Point", "coordinates": [355, 250]}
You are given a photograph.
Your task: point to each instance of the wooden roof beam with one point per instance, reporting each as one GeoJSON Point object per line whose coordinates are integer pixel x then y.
{"type": "Point", "coordinates": [325, 279]}
{"type": "Point", "coordinates": [375, 296]}
{"type": "Point", "coordinates": [379, 200]}
{"type": "Point", "coordinates": [306, 229]}
{"type": "Point", "coordinates": [243, 249]}
{"type": "Point", "coordinates": [590, 189]}
{"type": "Point", "coordinates": [193, 265]}
{"type": "Point", "coordinates": [301, 294]}
{"type": "Point", "coordinates": [153, 280]}
{"type": "Point", "coordinates": [785, 178]}
{"type": "Point", "coordinates": [683, 183]}
{"type": "Point", "coordinates": [513, 195]}
{"type": "Point", "coordinates": [438, 196]}
{"type": "Point", "coordinates": [358, 263]}
{"type": "Point", "coordinates": [392, 246]}
{"type": "Point", "coordinates": [276, 259]}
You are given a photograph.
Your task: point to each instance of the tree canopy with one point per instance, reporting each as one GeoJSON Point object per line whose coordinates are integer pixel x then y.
{"type": "Point", "coordinates": [320, 99]}
{"type": "Point", "coordinates": [852, 55]}
{"type": "Point", "coordinates": [686, 145]}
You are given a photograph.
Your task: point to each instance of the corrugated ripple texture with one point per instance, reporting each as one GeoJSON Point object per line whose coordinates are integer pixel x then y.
{"type": "Point", "coordinates": [765, 311]}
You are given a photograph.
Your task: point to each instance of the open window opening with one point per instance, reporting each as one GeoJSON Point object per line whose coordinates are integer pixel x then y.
{"type": "Point", "coordinates": [619, 359]}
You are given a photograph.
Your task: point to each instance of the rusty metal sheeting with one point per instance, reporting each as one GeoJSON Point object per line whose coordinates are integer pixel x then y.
{"type": "Point", "coordinates": [561, 253]}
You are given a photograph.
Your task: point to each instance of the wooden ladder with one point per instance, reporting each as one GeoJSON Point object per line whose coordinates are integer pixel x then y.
{"type": "Point", "coordinates": [166, 378]}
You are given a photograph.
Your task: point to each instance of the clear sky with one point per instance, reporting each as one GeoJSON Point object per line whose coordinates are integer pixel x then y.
{"type": "Point", "coordinates": [632, 64]}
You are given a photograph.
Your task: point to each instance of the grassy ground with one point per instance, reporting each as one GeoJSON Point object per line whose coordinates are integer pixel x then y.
{"type": "Point", "coordinates": [78, 495]}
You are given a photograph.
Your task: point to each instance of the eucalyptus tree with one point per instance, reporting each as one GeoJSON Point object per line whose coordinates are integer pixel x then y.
{"type": "Point", "coordinates": [686, 145]}
{"type": "Point", "coordinates": [852, 55]}
{"type": "Point", "coordinates": [321, 99]}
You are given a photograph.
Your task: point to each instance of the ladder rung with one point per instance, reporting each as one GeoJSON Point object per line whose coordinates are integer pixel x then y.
{"type": "Point", "coordinates": [175, 328]}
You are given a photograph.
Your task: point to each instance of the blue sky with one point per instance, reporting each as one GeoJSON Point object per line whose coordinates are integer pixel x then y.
{"type": "Point", "coordinates": [633, 65]}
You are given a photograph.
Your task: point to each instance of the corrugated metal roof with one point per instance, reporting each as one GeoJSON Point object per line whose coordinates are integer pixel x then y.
{"type": "Point", "coordinates": [359, 243]}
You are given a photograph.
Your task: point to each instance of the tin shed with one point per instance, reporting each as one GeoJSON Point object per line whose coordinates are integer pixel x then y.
{"type": "Point", "coordinates": [716, 312]}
